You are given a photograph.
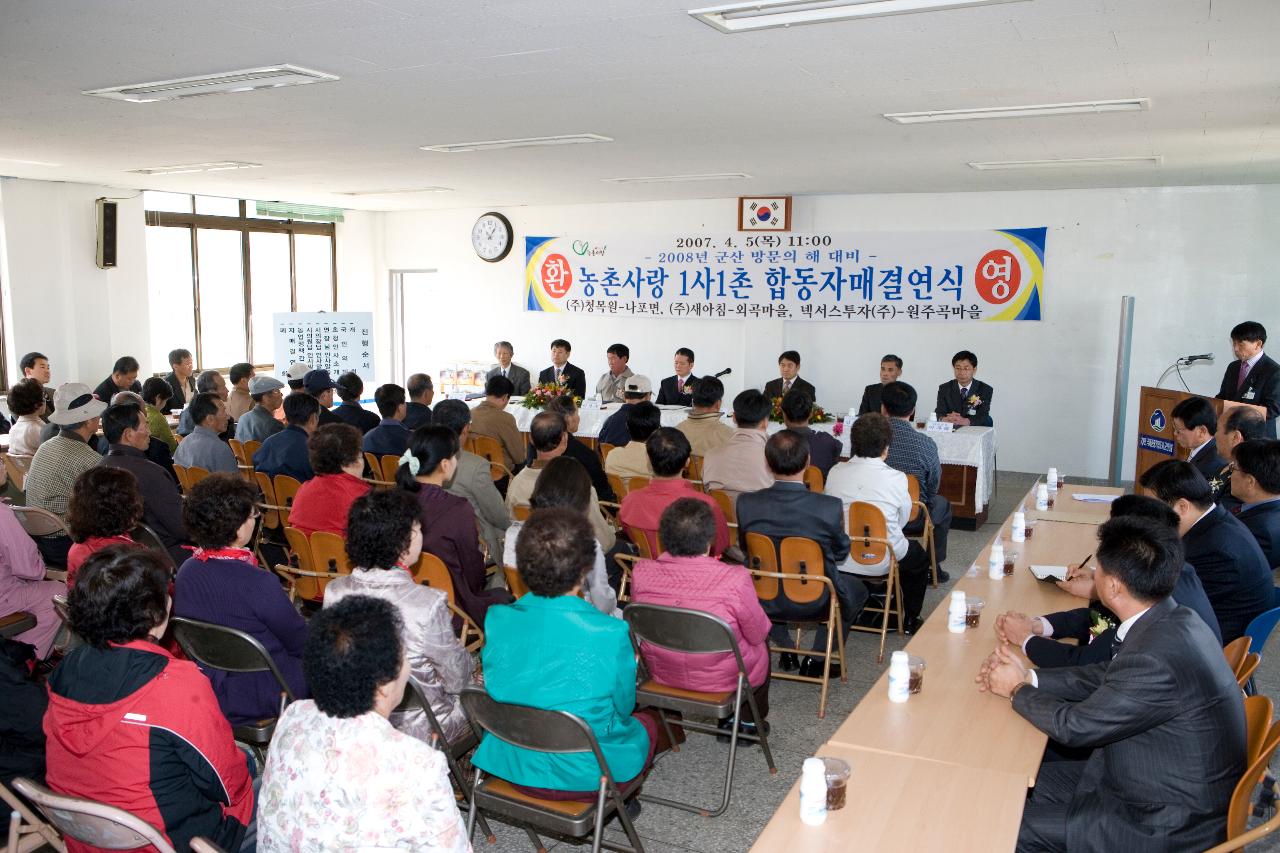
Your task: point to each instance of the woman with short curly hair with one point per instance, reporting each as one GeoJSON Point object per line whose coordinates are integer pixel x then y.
{"type": "Point", "coordinates": [26, 404]}
{"type": "Point", "coordinates": [324, 501]}
{"type": "Point", "coordinates": [105, 506]}
{"type": "Point", "coordinates": [223, 584]}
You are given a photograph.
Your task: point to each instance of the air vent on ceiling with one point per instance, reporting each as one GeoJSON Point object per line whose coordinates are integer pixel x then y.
{"type": "Point", "coordinates": [187, 168]}
{"type": "Point", "coordinates": [1069, 162]}
{"type": "Point", "coordinates": [680, 179]}
{"type": "Point", "coordinates": [527, 142]}
{"type": "Point", "coordinates": [1024, 111]}
{"type": "Point", "coordinates": [766, 14]}
{"type": "Point", "coordinates": [270, 77]}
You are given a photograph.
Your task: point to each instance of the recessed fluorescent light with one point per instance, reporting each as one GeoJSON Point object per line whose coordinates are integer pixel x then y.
{"type": "Point", "coordinates": [766, 14]}
{"type": "Point", "coordinates": [679, 179]}
{"type": "Point", "coordinates": [1068, 162]}
{"type": "Point", "coordinates": [186, 168]}
{"type": "Point", "coordinates": [393, 192]}
{"type": "Point", "coordinates": [528, 142]}
{"type": "Point", "coordinates": [269, 77]}
{"type": "Point", "coordinates": [1027, 111]}
{"type": "Point", "coordinates": [27, 162]}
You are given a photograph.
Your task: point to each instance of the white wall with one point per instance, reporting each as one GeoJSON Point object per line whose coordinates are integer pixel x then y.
{"type": "Point", "coordinates": [1198, 260]}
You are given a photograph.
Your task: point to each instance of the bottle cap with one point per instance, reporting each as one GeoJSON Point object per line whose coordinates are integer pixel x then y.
{"type": "Point", "coordinates": [957, 595]}
{"type": "Point", "coordinates": [899, 657]}
{"type": "Point", "coordinates": [814, 766]}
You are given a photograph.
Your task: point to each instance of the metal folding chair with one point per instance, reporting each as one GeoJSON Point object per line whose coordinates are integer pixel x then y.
{"type": "Point", "coordinates": [147, 538]}
{"type": "Point", "coordinates": [66, 639]}
{"type": "Point", "coordinates": [286, 489]}
{"type": "Point", "coordinates": [1242, 799]}
{"type": "Point", "coordinates": [40, 522]}
{"type": "Point", "coordinates": [27, 832]}
{"type": "Point", "coordinates": [17, 467]}
{"type": "Point", "coordinates": [515, 584]}
{"type": "Point", "coordinates": [91, 822]}
{"type": "Point", "coordinates": [490, 449]}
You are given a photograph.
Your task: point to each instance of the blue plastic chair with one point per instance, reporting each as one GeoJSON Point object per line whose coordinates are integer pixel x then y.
{"type": "Point", "coordinates": [1258, 631]}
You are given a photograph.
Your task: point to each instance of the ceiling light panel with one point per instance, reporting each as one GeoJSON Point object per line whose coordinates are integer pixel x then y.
{"type": "Point", "coordinates": [401, 192]}
{"type": "Point", "coordinates": [527, 142]}
{"type": "Point", "coordinates": [1068, 162]}
{"type": "Point", "coordinates": [1025, 111]}
{"type": "Point", "coordinates": [680, 179]}
{"type": "Point", "coordinates": [187, 168]}
{"type": "Point", "coordinates": [27, 162]}
{"type": "Point", "coordinates": [247, 80]}
{"type": "Point", "coordinates": [767, 14]}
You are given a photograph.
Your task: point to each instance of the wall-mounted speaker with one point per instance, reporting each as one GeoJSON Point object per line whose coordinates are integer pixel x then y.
{"type": "Point", "coordinates": [107, 213]}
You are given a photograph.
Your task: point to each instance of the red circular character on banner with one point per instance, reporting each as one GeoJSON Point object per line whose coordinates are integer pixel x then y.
{"type": "Point", "coordinates": [998, 276]}
{"type": "Point", "coordinates": [557, 276]}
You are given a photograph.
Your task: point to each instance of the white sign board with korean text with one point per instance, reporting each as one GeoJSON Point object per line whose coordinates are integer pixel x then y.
{"type": "Point", "coordinates": [337, 341]}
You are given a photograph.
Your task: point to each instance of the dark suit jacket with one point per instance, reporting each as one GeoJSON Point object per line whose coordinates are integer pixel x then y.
{"type": "Point", "coordinates": [824, 449]}
{"type": "Point", "coordinates": [614, 429]}
{"type": "Point", "coordinates": [1233, 569]}
{"type": "Point", "coordinates": [161, 502]}
{"type": "Point", "coordinates": [773, 388]}
{"type": "Point", "coordinates": [285, 453]}
{"type": "Point", "coordinates": [416, 415]}
{"type": "Point", "coordinates": [389, 438]}
{"type": "Point", "coordinates": [949, 400]}
{"type": "Point", "coordinates": [1263, 381]}
{"type": "Point", "coordinates": [182, 393]}
{"type": "Point", "coordinates": [107, 389]}
{"type": "Point", "coordinates": [589, 459]}
{"type": "Point", "coordinates": [574, 377]}
{"type": "Point", "coordinates": [1166, 720]}
{"type": "Point", "coordinates": [1263, 522]}
{"type": "Point", "coordinates": [870, 399]}
{"type": "Point", "coordinates": [667, 395]}
{"type": "Point", "coordinates": [358, 416]}
{"type": "Point", "coordinates": [1209, 461]}
{"type": "Point", "coordinates": [518, 375]}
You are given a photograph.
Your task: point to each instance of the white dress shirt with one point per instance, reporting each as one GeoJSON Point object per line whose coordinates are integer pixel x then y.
{"type": "Point", "coordinates": [873, 482]}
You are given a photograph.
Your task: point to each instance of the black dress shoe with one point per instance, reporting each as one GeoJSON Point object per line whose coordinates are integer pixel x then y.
{"type": "Point", "coordinates": [912, 624]}
{"type": "Point", "coordinates": [812, 668]}
{"type": "Point", "coordinates": [744, 728]}
{"type": "Point", "coordinates": [788, 662]}
{"type": "Point", "coordinates": [943, 575]}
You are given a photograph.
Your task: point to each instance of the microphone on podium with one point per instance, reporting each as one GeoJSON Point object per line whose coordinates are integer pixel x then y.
{"type": "Point", "coordinates": [1192, 359]}
{"type": "Point", "coordinates": [724, 372]}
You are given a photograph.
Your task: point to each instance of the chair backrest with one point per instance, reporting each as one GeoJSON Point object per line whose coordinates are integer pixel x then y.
{"type": "Point", "coordinates": [237, 447]}
{"type": "Point", "coordinates": [681, 630]}
{"type": "Point", "coordinates": [515, 584]}
{"type": "Point", "coordinates": [270, 517]}
{"type": "Point", "coordinates": [195, 474]}
{"type": "Point", "coordinates": [286, 490]}
{"type": "Point", "coordinates": [1260, 628]}
{"type": "Point", "coordinates": [726, 504]}
{"type": "Point", "coordinates": [635, 484]}
{"type": "Point", "coordinates": [67, 639]}
{"type": "Point", "coordinates": [490, 449]}
{"type": "Point", "coordinates": [40, 522]}
{"type": "Point", "coordinates": [605, 449]}
{"type": "Point", "coordinates": [618, 485]}
{"type": "Point", "coordinates": [204, 845]}
{"type": "Point", "coordinates": [431, 571]}
{"type": "Point", "coordinates": [227, 649]}
{"type": "Point", "coordinates": [647, 542]}
{"type": "Point", "coordinates": [693, 468]}
{"type": "Point", "coordinates": [1257, 722]}
{"type": "Point", "coordinates": [250, 448]}
{"type": "Point", "coordinates": [308, 588]}
{"type": "Point", "coordinates": [1246, 670]}
{"type": "Point", "coordinates": [414, 700]}
{"type": "Point", "coordinates": [531, 728]}
{"type": "Point", "coordinates": [801, 556]}
{"type": "Point", "coordinates": [389, 464]}
{"type": "Point", "coordinates": [520, 512]}
{"type": "Point", "coordinates": [913, 489]}
{"type": "Point", "coordinates": [329, 553]}
{"type": "Point", "coordinates": [814, 480]}
{"type": "Point", "coordinates": [17, 468]}
{"type": "Point", "coordinates": [868, 534]}
{"type": "Point", "coordinates": [1235, 652]}
{"type": "Point", "coordinates": [373, 463]}
{"type": "Point", "coordinates": [762, 556]}
{"type": "Point", "coordinates": [147, 538]}
{"type": "Point", "coordinates": [184, 478]}
{"type": "Point", "coordinates": [91, 822]}
{"type": "Point", "coordinates": [1242, 798]}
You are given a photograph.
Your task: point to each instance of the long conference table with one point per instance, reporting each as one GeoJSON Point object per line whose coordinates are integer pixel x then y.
{"type": "Point", "coordinates": [950, 768]}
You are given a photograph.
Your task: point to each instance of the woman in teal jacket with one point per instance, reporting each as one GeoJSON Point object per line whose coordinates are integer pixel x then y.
{"type": "Point", "coordinates": [552, 649]}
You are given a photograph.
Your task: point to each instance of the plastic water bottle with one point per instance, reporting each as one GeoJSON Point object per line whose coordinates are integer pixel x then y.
{"type": "Point", "coordinates": [933, 417]}
{"type": "Point", "coordinates": [957, 611]}
{"type": "Point", "coordinates": [1042, 497]}
{"type": "Point", "coordinates": [813, 792]}
{"type": "Point", "coordinates": [1052, 478]}
{"type": "Point", "coordinates": [995, 563]}
{"type": "Point", "coordinates": [899, 677]}
{"type": "Point", "coordinates": [1018, 530]}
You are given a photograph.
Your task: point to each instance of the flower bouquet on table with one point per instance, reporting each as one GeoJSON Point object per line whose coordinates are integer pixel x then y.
{"type": "Point", "coordinates": [540, 395]}
{"type": "Point", "coordinates": [819, 415]}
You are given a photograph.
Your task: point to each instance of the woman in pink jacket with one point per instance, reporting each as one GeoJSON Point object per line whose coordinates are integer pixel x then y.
{"type": "Point", "coordinates": [687, 576]}
{"type": "Point", "coordinates": [22, 583]}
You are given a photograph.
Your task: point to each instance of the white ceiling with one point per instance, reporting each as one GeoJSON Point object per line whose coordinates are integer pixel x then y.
{"type": "Point", "coordinates": [799, 109]}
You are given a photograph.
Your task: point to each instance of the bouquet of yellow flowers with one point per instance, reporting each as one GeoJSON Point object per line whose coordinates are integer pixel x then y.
{"type": "Point", "coordinates": [540, 395]}
{"type": "Point", "coordinates": [819, 415]}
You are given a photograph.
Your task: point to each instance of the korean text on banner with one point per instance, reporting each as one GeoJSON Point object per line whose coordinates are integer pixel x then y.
{"type": "Point", "coordinates": [334, 341]}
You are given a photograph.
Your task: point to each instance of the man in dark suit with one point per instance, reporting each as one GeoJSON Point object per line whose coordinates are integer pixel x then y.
{"type": "Point", "coordinates": [1038, 636]}
{"type": "Point", "coordinates": [916, 453]}
{"type": "Point", "coordinates": [1231, 566]}
{"type": "Point", "coordinates": [789, 367]}
{"type": "Point", "coordinates": [1238, 424]}
{"type": "Point", "coordinates": [788, 508]}
{"type": "Point", "coordinates": [388, 438]}
{"type": "Point", "coordinates": [890, 370]}
{"type": "Point", "coordinates": [1164, 716]}
{"type": "Point", "coordinates": [124, 377]}
{"type": "Point", "coordinates": [519, 377]}
{"type": "Point", "coordinates": [824, 448]}
{"type": "Point", "coordinates": [678, 390]}
{"type": "Point", "coordinates": [417, 411]}
{"type": "Point", "coordinates": [614, 429]}
{"type": "Point", "coordinates": [1256, 483]}
{"type": "Point", "coordinates": [965, 401]}
{"type": "Point", "coordinates": [1254, 377]}
{"type": "Point", "coordinates": [1194, 425]}
{"type": "Point", "coordinates": [286, 451]}
{"type": "Point", "coordinates": [569, 375]}
{"type": "Point", "coordinates": [180, 380]}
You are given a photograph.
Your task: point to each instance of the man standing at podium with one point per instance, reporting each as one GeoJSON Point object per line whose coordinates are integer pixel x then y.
{"type": "Point", "coordinates": [1254, 377]}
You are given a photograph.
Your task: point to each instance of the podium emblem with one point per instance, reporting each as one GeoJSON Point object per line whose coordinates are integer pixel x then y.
{"type": "Point", "coordinates": [1157, 420]}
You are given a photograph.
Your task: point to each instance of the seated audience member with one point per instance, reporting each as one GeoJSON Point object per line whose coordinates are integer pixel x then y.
{"type": "Point", "coordinates": [26, 701]}
{"type": "Point", "coordinates": [222, 583]}
{"type": "Point", "coordinates": [420, 392]}
{"type": "Point", "coordinates": [1254, 377]}
{"type": "Point", "coordinates": [1256, 484]}
{"type": "Point", "coordinates": [668, 452]}
{"type": "Point", "coordinates": [552, 649]}
{"type": "Point", "coordinates": [324, 501]}
{"type": "Point", "coordinates": [156, 450]}
{"type": "Point", "coordinates": [630, 459]}
{"type": "Point", "coordinates": [26, 404]}
{"type": "Point", "coordinates": [705, 427]}
{"type": "Point", "coordinates": [1194, 426]}
{"type": "Point", "coordinates": [124, 377]}
{"type": "Point", "coordinates": [23, 587]}
{"type": "Point", "coordinates": [588, 457]}
{"type": "Point", "coordinates": [867, 478]}
{"type": "Point", "coordinates": [125, 428]}
{"type": "Point", "coordinates": [473, 477]}
{"type": "Point", "coordinates": [610, 386]}
{"type": "Point", "coordinates": [239, 400]}
{"type": "Point", "coordinates": [448, 521]}
{"type": "Point", "coordinates": [259, 423]}
{"type": "Point", "coordinates": [319, 384]}
{"type": "Point", "coordinates": [788, 508]}
{"type": "Point", "coordinates": [491, 418]}
{"type": "Point", "coordinates": [636, 390]}
{"type": "Point", "coordinates": [208, 382]}
{"type": "Point", "coordinates": [563, 483]}
{"type": "Point", "coordinates": [155, 396]}
{"type": "Point", "coordinates": [350, 387]}
{"type": "Point", "coordinates": [204, 447]}
{"type": "Point", "coordinates": [60, 460]}
{"type": "Point", "coordinates": [35, 365]}
{"type": "Point", "coordinates": [339, 776]}
{"type": "Point", "coordinates": [295, 376]}
{"type": "Point", "coordinates": [916, 453]}
{"type": "Point", "coordinates": [688, 575]}
{"type": "Point", "coordinates": [549, 437]}
{"type": "Point", "coordinates": [738, 465]}
{"type": "Point", "coordinates": [286, 451]}
{"type": "Point", "coordinates": [965, 401]}
{"type": "Point", "coordinates": [677, 390]}
{"type": "Point", "coordinates": [180, 379]}
{"type": "Point", "coordinates": [789, 370]}
{"type": "Point", "coordinates": [384, 541]}
{"type": "Point", "coordinates": [1231, 565]}
{"type": "Point", "coordinates": [519, 376]}
{"type": "Point", "coordinates": [1164, 715]}
{"type": "Point", "coordinates": [890, 371]}
{"type": "Point", "coordinates": [390, 437]}
{"type": "Point", "coordinates": [1237, 425]}
{"type": "Point", "coordinates": [177, 767]}
{"type": "Point", "coordinates": [105, 506]}
{"type": "Point", "coordinates": [568, 376]}
{"type": "Point", "coordinates": [1038, 636]}
{"type": "Point", "coordinates": [824, 448]}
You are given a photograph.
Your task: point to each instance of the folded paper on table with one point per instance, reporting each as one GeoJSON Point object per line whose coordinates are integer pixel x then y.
{"type": "Point", "coordinates": [1093, 499]}
{"type": "Point", "coordinates": [1046, 572]}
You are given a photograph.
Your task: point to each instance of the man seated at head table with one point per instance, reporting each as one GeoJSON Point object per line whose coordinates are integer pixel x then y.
{"type": "Point", "coordinates": [824, 448]}
{"type": "Point", "coordinates": [1094, 627]}
{"type": "Point", "coordinates": [610, 386]}
{"type": "Point", "coordinates": [562, 371]}
{"type": "Point", "coordinates": [1194, 425]}
{"type": "Point", "coordinates": [1164, 716]}
{"type": "Point", "coordinates": [738, 465]}
{"type": "Point", "coordinates": [677, 390]}
{"type": "Point", "coordinates": [890, 371]}
{"type": "Point", "coordinates": [1256, 484]}
{"type": "Point", "coordinates": [1236, 425]}
{"type": "Point", "coordinates": [789, 377]}
{"type": "Point", "coordinates": [1254, 377]}
{"type": "Point", "coordinates": [964, 401]}
{"type": "Point", "coordinates": [519, 376]}
{"type": "Point", "coordinates": [1225, 555]}
{"type": "Point", "coordinates": [705, 427]}
{"type": "Point", "coordinates": [631, 459]}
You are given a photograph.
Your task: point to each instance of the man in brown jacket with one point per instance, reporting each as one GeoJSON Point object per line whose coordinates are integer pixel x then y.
{"type": "Point", "coordinates": [491, 418]}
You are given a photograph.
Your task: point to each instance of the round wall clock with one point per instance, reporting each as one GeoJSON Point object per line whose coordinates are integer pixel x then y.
{"type": "Point", "coordinates": [492, 237]}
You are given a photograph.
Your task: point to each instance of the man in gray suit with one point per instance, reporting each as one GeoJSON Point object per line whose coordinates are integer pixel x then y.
{"type": "Point", "coordinates": [1164, 716]}
{"type": "Point", "coordinates": [519, 377]}
{"type": "Point", "coordinates": [472, 479]}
